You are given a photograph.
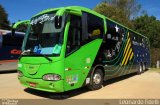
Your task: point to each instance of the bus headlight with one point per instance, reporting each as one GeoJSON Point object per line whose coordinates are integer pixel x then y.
{"type": "Point", "coordinates": [20, 74]}
{"type": "Point", "coordinates": [51, 77]}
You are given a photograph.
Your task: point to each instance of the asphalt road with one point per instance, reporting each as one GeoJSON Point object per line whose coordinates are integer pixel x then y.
{"type": "Point", "coordinates": [146, 85]}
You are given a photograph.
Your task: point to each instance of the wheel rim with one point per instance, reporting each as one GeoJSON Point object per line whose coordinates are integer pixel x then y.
{"type": "Point", "coordinates": [140, 68]}
{"type": "Point", "coordinates": [97, 78]}
{"type": "Point", "coordinates": [144, 67]}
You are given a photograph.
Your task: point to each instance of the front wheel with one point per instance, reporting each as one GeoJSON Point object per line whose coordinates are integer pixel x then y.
{"type": "Point", "coordinates": [96, 80]}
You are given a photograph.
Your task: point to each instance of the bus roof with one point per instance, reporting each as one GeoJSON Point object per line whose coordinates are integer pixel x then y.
{"type": "Point", "coordinates": [89, 11]}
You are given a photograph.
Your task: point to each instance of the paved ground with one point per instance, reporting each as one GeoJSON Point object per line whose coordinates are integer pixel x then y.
{"type": "Point", "coordinates": [8, 66]}
{"type": "Point", "coordinates": [146, 85]}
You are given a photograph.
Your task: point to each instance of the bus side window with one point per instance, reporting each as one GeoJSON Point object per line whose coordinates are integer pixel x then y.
{"type": "Point", "coordinates": [114, 38]}
{"type": "Point", "coordinates": [18, 40]}
{"type": "Point", "coordinates": [8, 40]}
{"type": "Point", "coordinates": [95, 27]}
{"type": "Point", "coordinates": [147, 44]}
{"type": "Point", "coordinates": [74, 34]}
{"type": "Point", "coordinates": [140, 40]}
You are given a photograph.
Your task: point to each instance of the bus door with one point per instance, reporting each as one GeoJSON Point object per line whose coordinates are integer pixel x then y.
{"type": "Point", "coordinates": [73, 54]}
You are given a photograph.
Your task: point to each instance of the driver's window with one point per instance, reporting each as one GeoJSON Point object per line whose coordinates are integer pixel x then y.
{"type": "Point", "coordinates": [74, 34]}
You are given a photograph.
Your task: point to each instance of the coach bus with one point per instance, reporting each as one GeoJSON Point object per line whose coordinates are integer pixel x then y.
{"type": "Point", "coordinates": [70, 47]}
{"type": "Point", "coordinates": [10, 49]}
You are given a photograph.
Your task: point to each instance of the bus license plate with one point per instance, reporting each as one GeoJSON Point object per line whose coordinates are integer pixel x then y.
{"type": "Point", "coordinates": [32, 84]}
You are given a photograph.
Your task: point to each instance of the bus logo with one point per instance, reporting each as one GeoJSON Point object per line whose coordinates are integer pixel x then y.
{"type": "Point", "coordinates": [128, 52]}
{"type": "Point", "coordinates": [16, 52]}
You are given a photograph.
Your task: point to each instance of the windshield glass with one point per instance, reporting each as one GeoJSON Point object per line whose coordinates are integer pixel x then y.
{"type": "Point", "coordinates": [43, 37]}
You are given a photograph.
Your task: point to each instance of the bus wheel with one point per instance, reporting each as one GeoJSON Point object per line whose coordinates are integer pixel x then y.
{"type": "Point", "coordinates": [97, 80]}
{"type": "Point", "coordinates": [144, 67]}
{"type": "Point", "coordinates": [140, 69]}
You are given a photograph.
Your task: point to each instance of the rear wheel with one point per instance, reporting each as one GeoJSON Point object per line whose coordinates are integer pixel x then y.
{"type": "Point", "coordinates": [144, 67]}
{"type": "Point", "coordinates": [139, 69]}
{"type": "Point", "coordinates": [96, 80]}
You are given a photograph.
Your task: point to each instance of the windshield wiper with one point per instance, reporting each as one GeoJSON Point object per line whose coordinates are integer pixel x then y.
{"type": "Point", "coordinates": [23, 53]}
{"type": "Point", "coordinates": [49, 59]}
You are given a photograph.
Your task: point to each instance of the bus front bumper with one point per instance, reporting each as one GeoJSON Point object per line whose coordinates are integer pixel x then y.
{"type": "Point", "coordinates": [39, 84]}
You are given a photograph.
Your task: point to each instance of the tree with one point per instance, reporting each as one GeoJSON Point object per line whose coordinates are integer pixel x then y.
{"type": "Point", "coordinates": [149, 26]}
{"type": "Point", "coordinates": [113, 13]}
{"type": "Point", "coordinates": [130, 7]}
{"type": "Point", "coordinates": [4, 23]}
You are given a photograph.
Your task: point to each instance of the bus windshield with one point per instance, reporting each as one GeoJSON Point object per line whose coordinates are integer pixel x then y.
{"type": "Point", "coordinates": [43, 38]}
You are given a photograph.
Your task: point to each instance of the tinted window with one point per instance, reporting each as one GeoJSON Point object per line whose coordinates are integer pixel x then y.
{"type": "Point", "coordinates": [140, 40]}
{"type": "Point", "coordinates": [74, 34]}
{"type": "Point", "coordinates": [9, 40]}
{"type": "Point", "coordinates": [134, 36]}
{"type": "Point", "coordinates": [147, 44]}
{"type": "Point", "coordinates": [95, 27]}
{"type": "Point", "coordinates": [114, 38]}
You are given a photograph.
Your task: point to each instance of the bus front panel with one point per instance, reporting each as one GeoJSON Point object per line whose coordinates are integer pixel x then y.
{"type": "Point", "coordinates": [34, 74]}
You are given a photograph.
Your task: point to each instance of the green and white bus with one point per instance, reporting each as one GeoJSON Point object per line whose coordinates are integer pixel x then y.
{"type": "Point", "coordinates": [70, 47]}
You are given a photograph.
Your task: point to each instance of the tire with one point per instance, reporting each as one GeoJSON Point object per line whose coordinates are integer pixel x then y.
{"type": "Point", "coordinates": [96, 80]}
{"type": "Point", "coordinates": [139, 69]}
{"type": "Point", "coordinates": [144, 67]}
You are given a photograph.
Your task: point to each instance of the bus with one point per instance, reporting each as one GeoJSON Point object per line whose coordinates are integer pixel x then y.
{"type": "Point", "coordinates": [70, 47]}
{"type": "Point", "coordinates": [10, 49]}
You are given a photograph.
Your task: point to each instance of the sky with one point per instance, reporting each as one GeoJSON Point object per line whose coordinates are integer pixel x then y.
{"type": "Point", "coordinates": [25, 9]}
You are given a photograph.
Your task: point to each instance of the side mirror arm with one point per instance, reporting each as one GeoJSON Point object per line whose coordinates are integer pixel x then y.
{"type": "Point", "coordinates": [14, 26]}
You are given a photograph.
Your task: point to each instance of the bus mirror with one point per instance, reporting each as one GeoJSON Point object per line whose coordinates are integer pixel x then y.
{"type": "Point", "coordinates": [58, 22]}
{"type": "Point", "coordinates": [15, 26]}
{"type": "Point", "coordinates": [13, 31]}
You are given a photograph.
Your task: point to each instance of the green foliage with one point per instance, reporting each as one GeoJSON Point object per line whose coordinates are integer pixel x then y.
{"type": "Point", "coordinates": [130, 7]}
{"type": "Point", "coordinates": [113, 13]}
{"type": "Point", "coordinates": [4, 23]}
{"type": "Point", "coordinates": [149, 26]}
{"type": "Point", "coordinates": [155, 56]}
